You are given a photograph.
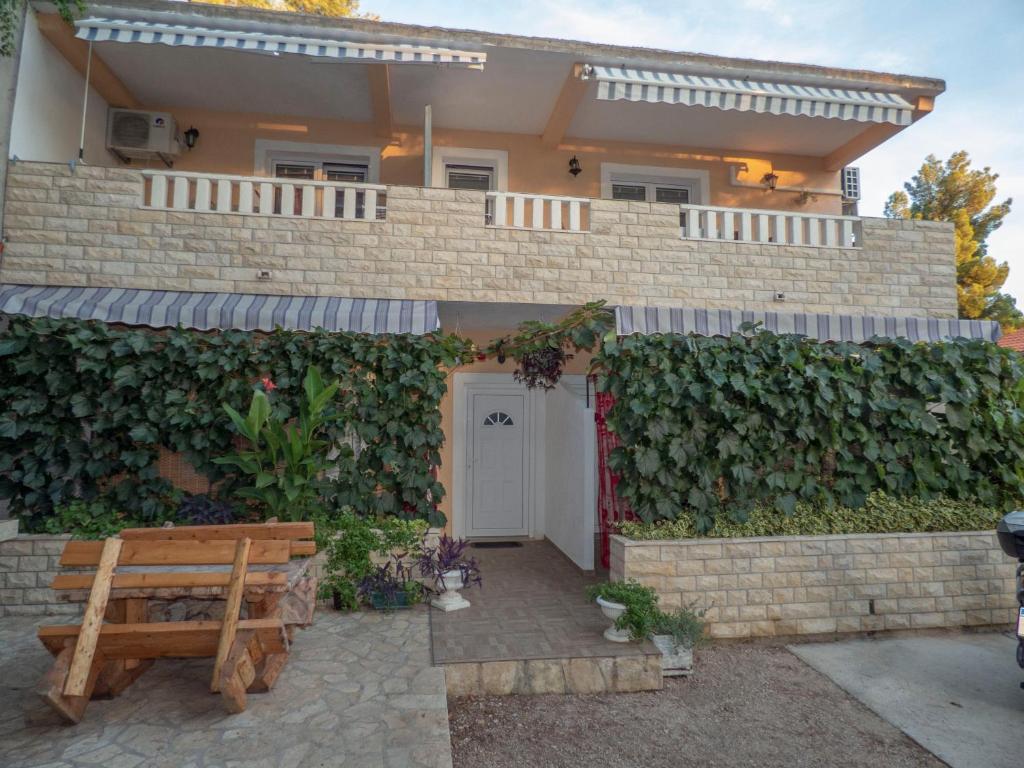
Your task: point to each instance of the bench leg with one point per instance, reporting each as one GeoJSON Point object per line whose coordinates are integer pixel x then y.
{"type": "Point", "coordinates": [117, 675]}
{"type": "Point", "coordinates": [267, 671]}
{"type": "Point", "coordinates": [237, 673]}
{"type": "Point", "coordinates": [51, 687]}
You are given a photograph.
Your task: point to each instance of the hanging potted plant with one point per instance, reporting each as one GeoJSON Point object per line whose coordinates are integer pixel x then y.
{"type": "Point", "coordinates": [630, 606]}
{"type": "Point", "coordinates": [676, 634]}
{"type": "Point", "coordinates": [451, 572]}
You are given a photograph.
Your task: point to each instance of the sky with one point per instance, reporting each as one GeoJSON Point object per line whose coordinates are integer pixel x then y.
{"type": "Point", "coordinates": [977, 47]}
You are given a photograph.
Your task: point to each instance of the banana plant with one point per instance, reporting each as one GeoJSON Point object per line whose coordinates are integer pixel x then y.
{"type": "Point", "coordinates": [285, 460]}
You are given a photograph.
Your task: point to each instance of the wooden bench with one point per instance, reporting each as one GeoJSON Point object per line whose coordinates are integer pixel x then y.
{"type": "Point", "coordinates": [116, 642]}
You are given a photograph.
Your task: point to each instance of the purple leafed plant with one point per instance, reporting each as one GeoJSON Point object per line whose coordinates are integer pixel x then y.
{"type": "Point", "coordinates": [449, 555]}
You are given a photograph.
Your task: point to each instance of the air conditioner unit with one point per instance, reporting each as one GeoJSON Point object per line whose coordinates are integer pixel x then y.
{"type": "Point", "coordinates": [850, 183]}
{"type": "Point", "coordinates": [134, 134]}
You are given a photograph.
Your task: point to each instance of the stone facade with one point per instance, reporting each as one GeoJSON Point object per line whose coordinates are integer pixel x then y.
{"type": "Point", "coordinates": [812, 585]}
{"type": "Point", "coordinates": [87, 227]}
{"type": "Point", "coordinates": [28, 564]}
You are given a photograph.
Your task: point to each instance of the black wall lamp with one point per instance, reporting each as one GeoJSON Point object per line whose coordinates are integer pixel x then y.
{"type": "Point", "coordinates": [770, 180]}
{"type": "Point", "coordinates": [191, 137]}
{"type": "Point", "coordinates": [574, 166]}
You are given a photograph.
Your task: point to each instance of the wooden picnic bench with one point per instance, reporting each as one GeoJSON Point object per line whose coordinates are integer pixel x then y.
{"type": "Point", "coordinates": [116, 641]}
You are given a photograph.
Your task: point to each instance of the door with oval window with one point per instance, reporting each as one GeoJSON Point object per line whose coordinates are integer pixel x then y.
{"type": "Point", "coordinates": [497, 463]}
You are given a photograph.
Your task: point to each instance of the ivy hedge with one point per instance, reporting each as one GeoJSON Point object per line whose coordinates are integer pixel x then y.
{"type": "Point", "coordinates": [713, 425]}
{"type": "Point", "coordinates": [881, 513]}
{"type": "Point", "coordinates": [85, 408]}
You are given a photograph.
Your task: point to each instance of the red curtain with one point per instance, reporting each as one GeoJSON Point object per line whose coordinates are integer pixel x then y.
{"type": "Point", "coordinates": [610, 508]}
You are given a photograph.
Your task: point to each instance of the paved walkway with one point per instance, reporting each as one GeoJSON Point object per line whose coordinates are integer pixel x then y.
{"type": "Point", "coordinates": [956, 695]}
{"type": "Point", "coordinates": [531, 606]}
{"type": "Point", "coordinates": [359, 691]}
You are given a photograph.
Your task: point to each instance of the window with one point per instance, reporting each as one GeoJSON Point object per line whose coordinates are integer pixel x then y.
{"type": "Point", "coordinates": [478, 177]}
{"type": "Point", "coordinates": [323, 170]}
{"type": "Point", "coordinates": [654, 192]}
{"type": "Point", "coordinates": [498, 419]}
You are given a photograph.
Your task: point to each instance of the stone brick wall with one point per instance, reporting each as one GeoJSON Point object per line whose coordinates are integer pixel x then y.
{"type": "Point", "coordinates": [87, 228]}
{"type": "Point", "coordinates": [28, 564]}
{"type": "Point", "coordinates": [809, 585]}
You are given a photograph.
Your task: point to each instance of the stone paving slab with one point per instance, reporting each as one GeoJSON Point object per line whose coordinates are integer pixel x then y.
{"type": "Point", "coordinates": [531, 606]}
{"type": "Point", "coordinates": [359, 692]}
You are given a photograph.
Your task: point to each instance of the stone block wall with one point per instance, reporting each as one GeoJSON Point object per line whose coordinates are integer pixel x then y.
{"type": "Point", "coordinates": [28, 564]}
{"type": "Point", "coordinates": [87, 227]}
{"type": "Point", "coordinates": [811, 585]}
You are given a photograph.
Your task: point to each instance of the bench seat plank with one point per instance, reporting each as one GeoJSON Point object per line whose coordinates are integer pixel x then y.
{"type": "Point", "coordinates": [170, 580]}
{"type": "Point", "coordinates": [191, 552]}
{"type": "Point", "coordinates": [254, 531]}
{"type": "Point", "coordinates": [167, 639]}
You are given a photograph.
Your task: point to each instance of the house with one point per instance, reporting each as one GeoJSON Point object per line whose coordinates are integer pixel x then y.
{"type": "Point", "coordinates": [1013, 340]}
{"type": "Point", "coordinates": [177, 162]}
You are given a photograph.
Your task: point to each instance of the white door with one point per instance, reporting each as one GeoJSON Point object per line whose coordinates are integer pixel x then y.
{"type": "Point", "coordinates": [570, 445]}
{"type": "Point", "coordinates": [497, 464]}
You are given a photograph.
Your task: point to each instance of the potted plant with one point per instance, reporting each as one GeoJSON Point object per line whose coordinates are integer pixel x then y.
{"type": "Point", "coordinates": [631, 607]}
{"type": "Point", "coordinates": [676, 634]}
{"type": "Point", "coordinates": [451, 571]}
{"type": "Point", "coordinates": [391, 586]}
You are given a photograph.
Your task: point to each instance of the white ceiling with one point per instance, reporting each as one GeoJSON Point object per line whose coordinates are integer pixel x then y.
{"type": "Point", "coordinates": [515, 93]}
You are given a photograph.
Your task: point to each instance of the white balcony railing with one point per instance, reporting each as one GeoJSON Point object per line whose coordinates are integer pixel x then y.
{"type": "Point", "coordinates": [215, 193]}
{"type": "Point", "coordinates": [705, 222]}
{"type": "Point", "coordinates": [513, 209]}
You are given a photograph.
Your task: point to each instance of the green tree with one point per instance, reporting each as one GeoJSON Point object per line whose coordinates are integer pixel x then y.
{"type": "Point", "coordinates": [952, 191]}
{"type": "Point", "coordinates": [311, 7]}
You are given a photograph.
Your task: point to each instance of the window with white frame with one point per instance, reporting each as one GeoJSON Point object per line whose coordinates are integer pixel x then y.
{"type": "Point", "coordinates": [651, 184]}
{"type": "Point", "coordinates": [326, 170]}
{"type": "Point", "coordinates": [478, 177]}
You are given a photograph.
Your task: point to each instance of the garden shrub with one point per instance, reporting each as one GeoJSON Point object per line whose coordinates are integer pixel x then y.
{"type": "Point", "coordinates": [879, 514]}
{"type": "Point", "coordinates": [713, 424]}
{"type": "Point", "coordinates": [85, 407]}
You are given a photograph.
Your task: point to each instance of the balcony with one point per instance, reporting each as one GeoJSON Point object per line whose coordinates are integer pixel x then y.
{"type": "Point", "coordinates": [173, 230]}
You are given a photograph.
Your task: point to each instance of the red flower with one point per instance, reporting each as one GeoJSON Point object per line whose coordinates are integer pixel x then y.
{"type": "Point", "coordinates": [268, 384]}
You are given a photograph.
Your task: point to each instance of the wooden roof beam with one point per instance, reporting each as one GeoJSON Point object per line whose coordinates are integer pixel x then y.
{"type": "Point", "coordinates": [379, 76]}
{"type": "Point", "coordinates": [101, 77]}
{"type": "Point", "coordinates": [565, 107]}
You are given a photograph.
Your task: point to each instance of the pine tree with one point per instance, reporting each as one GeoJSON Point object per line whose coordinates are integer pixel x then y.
{"type": "Point", "coordinates": [954, 192]}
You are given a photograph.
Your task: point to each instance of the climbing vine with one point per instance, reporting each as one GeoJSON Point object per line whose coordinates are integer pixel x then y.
{"type": "Point", "coordinates": [541, 349]}
{"type": "Point", "coordinates": [10, 20]}
{"type": "Point", "coordinates": [712, 424]}
{"type": "Point", "coordinates": [85, 407]}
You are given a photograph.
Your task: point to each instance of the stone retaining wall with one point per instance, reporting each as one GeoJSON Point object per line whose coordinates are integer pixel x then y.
{"type": "Point", "coordinates": [28, 564]}
{"type": "Point", "coordinates": [809, 585]}
{"type": "Point", "coordinates": [87, 227]}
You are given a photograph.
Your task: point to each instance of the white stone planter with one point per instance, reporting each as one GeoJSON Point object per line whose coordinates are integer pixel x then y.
{"type": "Point", "coordinates": [675, 660]}
{"type": "Point", "coordinates": [613, 611]}
{"type": "Point", "coordinates": [450, 599]}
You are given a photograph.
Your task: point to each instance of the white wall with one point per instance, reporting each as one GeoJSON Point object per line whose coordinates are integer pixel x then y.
{"type": "Point", "coordinates": [48, 106]}
{"type": "Point", "coordinates": [569, 476]}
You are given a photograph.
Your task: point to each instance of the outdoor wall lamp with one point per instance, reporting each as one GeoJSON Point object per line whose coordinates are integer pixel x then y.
{"type": "Point", "coordinates": [191, 137]}
{"type": "Point", "coordinates": [574, 166]}
{"type": "Point", "coordinates": [770, 180]}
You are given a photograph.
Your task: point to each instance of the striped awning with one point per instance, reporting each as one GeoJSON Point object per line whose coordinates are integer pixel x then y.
{"type": "Point", "coordinates": [125, 31]}
{"type": "Point", "coordinates": [855, 328]}
{"type": "Point", "coordinates": [221, 311]}
{"type": "Point", "coordinates": [619, 83]}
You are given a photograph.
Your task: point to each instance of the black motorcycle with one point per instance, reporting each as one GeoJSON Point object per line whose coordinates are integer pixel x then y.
{"type": "Point", "coordinates": [1010, 532]}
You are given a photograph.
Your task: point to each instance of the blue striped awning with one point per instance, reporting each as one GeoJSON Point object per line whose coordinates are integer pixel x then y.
{"type": "Point", "coordinates": [855, 328]}
{"type": "Point", "coordinates": [125, 31]}
{"type": "Point", "coordinates": [221, 311]}
{"type": "Point", "coordinates": [619, 83]}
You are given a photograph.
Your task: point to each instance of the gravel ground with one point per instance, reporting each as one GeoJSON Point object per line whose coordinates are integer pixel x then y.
{"type": "Point", "coordinates": [744, 706]}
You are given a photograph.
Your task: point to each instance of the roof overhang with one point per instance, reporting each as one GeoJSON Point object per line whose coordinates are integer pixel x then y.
{"type": "Point", "coordinates": [853, 328]}
{"type": "Point", "coordinates": [221, 311]}
{"type": "Point", "coordinates": [529, 86]}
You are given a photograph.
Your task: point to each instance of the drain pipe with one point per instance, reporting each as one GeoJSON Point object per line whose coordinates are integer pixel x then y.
{"type": "Point", "coordinates": [85, 107]}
